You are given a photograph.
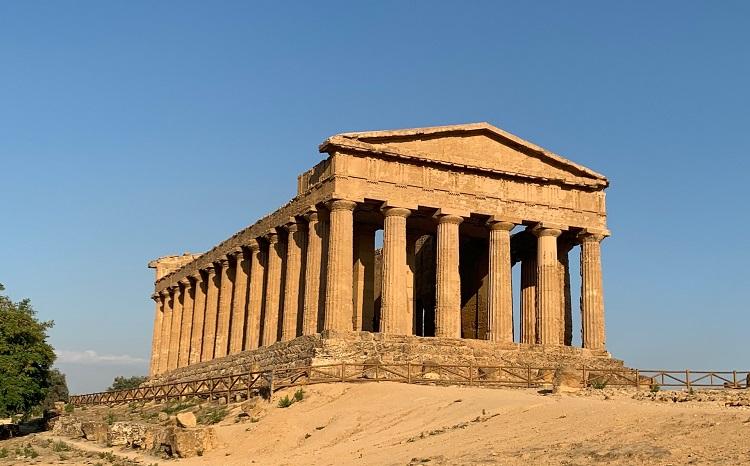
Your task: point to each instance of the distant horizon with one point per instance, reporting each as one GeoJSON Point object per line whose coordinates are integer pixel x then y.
{"type": "Point", "coordinates": [134, 131]}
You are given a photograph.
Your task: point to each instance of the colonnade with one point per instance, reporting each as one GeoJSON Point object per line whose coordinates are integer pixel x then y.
{"type": "Point", "coordinates": [315, 273]}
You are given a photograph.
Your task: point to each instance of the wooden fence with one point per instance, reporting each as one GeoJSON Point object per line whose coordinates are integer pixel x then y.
{"type": "Point", "coordinates": [266, 382]}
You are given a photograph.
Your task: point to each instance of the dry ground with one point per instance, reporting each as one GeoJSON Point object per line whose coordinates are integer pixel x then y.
{"type": "Point", "coordinates": [399, 424]}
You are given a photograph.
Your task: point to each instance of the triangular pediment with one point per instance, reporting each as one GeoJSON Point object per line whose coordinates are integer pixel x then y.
{"type": "Point", "coordinates": [479, 145]}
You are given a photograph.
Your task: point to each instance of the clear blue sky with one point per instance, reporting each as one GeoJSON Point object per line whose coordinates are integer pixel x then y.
{"type": "Point", "coordinates": [130, 130]}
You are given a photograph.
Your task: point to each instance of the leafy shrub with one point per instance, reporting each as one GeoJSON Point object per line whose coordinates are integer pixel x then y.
{"type": "Point", "coordinates": [110, 418]}
{"type": "Point", "coordinates": [3, 452]}
{"type": "Point", "coordinates": [285, 402]}
{"type": "Point", "coordinates": [655, 388]}
{"type": "Point", "coordinates": [299, 395]}
{"type": "Point", "coordinates": [69, 408]}
{"type": "Point", "coordinates": [212, 415]}
{"type": "Point", "coordinates": [598, 384]}
{"type": "Point", "coordinates": [126, 383]}
{"type": "Point", "coordinates": [60, 446]}
{"type": "Point", "coordinates": [172, 409]}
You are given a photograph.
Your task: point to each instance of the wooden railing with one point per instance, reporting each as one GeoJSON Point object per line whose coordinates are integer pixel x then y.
{"type": "Point", "coordinates": [266, 382]}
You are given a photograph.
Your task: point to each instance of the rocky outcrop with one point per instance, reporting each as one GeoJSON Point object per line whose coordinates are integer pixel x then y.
{"type": "Point", "coordinates": [172, 441]}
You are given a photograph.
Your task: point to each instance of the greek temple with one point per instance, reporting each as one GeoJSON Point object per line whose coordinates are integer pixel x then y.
{"type": "Point", "coordinates": [403, 232]}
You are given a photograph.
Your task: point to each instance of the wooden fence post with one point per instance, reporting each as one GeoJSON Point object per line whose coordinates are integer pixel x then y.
{"type": "Point", "coordinates": [687, 379]}
{"type": "Point", "coordinates": [637, 380]}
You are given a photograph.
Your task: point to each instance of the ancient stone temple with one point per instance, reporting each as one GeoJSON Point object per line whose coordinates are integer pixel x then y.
{"type": "Point", "coordinates": [458, 207]}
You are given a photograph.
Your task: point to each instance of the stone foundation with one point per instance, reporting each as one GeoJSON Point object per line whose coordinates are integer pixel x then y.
{"type": "Point", "coordinates": [365, 347]}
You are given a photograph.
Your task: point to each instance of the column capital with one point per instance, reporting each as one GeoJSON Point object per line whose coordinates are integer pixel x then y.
{"type": "Point", "coordinates": [590, 235]}
{"type": "Point", "coordinates": [253, 245]}
{"type": "Point", "coordinates": [238, 253]}
{"type": "Point", "coordinates": [541, 231]}
{"type": "Point", "coordinates": [165, 293]}
{"type": "Point", "coordinates": [155, 296]}
{"type": "Point", "coordinates": [293, 225]}
{"type": "Point", "coordinates": [210, 269]}
{"type": "Point", "coordinates": [341, 204]}
{"type": "Point", "coordinates": [272, 236]}
{"type": "Point", "coordinates": [223, 262]}
{"type": "Point", "coordinates": [501, 225]}
{"type": "Point", "coordinates": [389, 211]}
{"type": "Point", "coordinates": [311, 216]}
{"type": "Point", "coordinates": [185, 282]}
{"type": "Point", "coordinates": [449, 218]}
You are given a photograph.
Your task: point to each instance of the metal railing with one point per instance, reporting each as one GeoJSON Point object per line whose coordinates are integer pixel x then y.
{"type": "Point", "coordinates": [266, 382]}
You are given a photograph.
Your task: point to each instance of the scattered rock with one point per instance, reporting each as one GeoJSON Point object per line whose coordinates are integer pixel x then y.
{"type": "Point", "coordinates": [132, 434]}
{"type": "Point", "coordinates": [186, 419]}
{"type": "Point", "coordinates": [68, 426]}
{"type": "Point", "coordinates": [96, 431]}
{"type": "Point", "coordinates": [566, 379]}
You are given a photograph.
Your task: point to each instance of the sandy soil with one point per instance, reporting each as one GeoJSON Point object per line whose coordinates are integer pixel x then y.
{"type": "Point", "coordinates": [391, 423]}
{"type": "Point", "coordinates": [399, 424]}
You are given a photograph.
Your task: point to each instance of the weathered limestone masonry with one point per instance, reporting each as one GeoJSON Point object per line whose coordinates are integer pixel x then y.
{"type": "Point", "coordinates": [459, 206]}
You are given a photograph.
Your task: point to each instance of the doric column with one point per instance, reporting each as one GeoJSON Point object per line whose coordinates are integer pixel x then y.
{"type": "Point", "coordinates": [563, 272]}
{"type": "Point", "coordinates": [212, 308]}
{"type": "Point", "coordinates": [187, 323]}
{"type": "Point", "coordinates": [364, 277]}
{"type": "Point", "coordinates": [156, 337]}
{"type": "Point", "coordinates": [592, 296]}
{"type": "Point", "coordinates": [448, 280]}
{"type": "Point", "coordinates": [199, 318]}
{"type": "Point", "coordinates": [500, 302]}
{"type": "Point", "coordinates": [273, 290]}
{"type": "Point", "coordinates": [166, 329]}
{"type": "Point", "coordinates": [255, 299]}
{"type": "Point", "coordinates": [312, 274]}
{"type": "Point", "coordinates": [338, 299]}
{"type": "Point", "coordinates": [174, 337]}
{"type": "Point", "coordinates": [225, 310]}
{"type": "Point", "coordinates": [239, 301]}
{"type": "Point", "coordinates": [548, 289]}
{"type": "Point", "coordinates": [395, 314]}
{"type": "Point", "coordinates": [529, 315]}
{"type": "Point", "coordinates": [293, 280]}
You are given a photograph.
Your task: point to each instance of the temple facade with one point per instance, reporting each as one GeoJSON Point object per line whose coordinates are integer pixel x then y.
{"type": "Point", "coordinates": [458, 207]}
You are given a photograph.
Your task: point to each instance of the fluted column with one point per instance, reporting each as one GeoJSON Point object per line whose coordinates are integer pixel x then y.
{"type": "Point", "coordinates": [500, 302]}
{"type": "Point", "coordinates": [313, 268]}
{"type": "Point", "coordinates": [529, 315]}
{"type": "Point", "coordinates": [548, 289]}
{"type": "Point", "coordinates": [448, 280]}
{"type": "Point", "coordinates": [395, 314]}
{"type": "Point", "coordinates": [187, 322]}
{"type": "Point", "coordinates": [273, 290]}
{"type": "Point", "coordinates": [255, 299]}
{"type": "Point", "coordinates": [295, 246]}
{"type": "Point", "coordinates": [592, 296]}
{"type": "Point", "coordinates": [563, 272]}
{"type": "Point", "coordinates": [239, 301]}
{"type": "Point", "coordinates": [338, 299]}
{"type": "Point", "coordinates": [225, 310]}
{"type": "Point", "coordinates": [212, 309]}
{"type": "Point", "coordinates": [166, 329]}
{"type": "Point", "coordinates": [199, 318]}
{"type": "Point", "coordinates": [174, 337]}
{"type": "Point", "coordinates": [156, 337]}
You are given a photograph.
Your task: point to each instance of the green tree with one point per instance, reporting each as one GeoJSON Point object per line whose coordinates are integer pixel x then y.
{"type": "Point", "coordinates": [126, 383]}
{"type": "Point", "coordinates": [25, 357]}
{"type": "Point", "coordinates": [58, 390]}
